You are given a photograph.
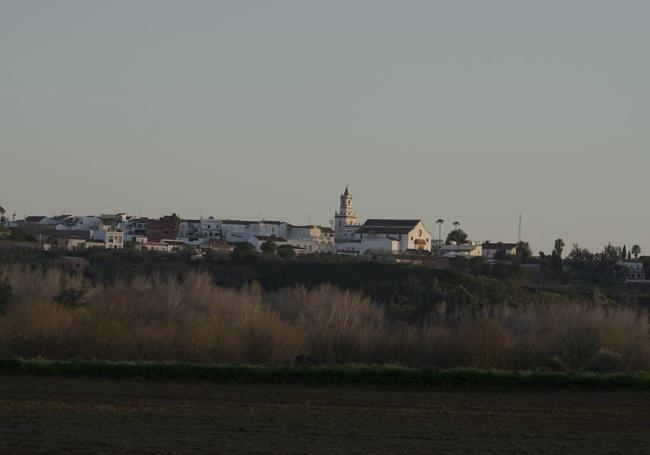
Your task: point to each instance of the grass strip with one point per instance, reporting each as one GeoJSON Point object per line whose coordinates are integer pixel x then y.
{"type": "Point", "coordinates": [327, 375]}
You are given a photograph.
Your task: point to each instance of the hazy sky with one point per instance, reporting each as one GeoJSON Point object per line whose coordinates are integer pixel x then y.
{"type": "Point", "coordinates": [465, 110]}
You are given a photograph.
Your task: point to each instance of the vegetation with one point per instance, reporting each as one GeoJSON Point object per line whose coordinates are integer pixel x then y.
{"type": "Point", "coordinates": [242, 252]}
{"type": "Point", "coordinates": [189, 318]}
{"type": "Point", "coordinates": [458, 236]}
{"type": "Point", "coordinates": [269, 248]}
{"type": "Point", "coordinates": [286, 252]}
{"type": "Point", "coordinates": [335, 374]}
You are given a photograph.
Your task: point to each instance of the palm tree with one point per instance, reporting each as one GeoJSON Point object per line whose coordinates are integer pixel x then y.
{"type": "Point", "coordinates": [440, 222]}
{"type": "Point", "coordinates": [636, 251]}
{"type": "Point", "coordinates": [456, 225]}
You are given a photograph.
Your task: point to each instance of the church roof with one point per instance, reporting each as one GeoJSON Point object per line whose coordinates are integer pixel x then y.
{"type": "Point", "coordinates": [383, 230]}
{"type": "Point", "coordinates": [346, 193]}
{"type": "Point", "coordinates": [375, 222]}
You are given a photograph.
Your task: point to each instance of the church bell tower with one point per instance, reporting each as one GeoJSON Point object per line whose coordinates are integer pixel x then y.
{"type": "Point", "coordinates": [345, 221]}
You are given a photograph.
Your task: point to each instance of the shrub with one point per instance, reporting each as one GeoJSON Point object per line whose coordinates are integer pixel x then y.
{"type": "Point", "coordinates": [605, 362]}
{"type": "Point", "coordinates": [487, 344]}
{"type": "Point", "coordinates": [165, 317]}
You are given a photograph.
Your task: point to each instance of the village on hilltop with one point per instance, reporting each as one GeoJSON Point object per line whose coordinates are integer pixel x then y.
{"type": "Point", "coordinates": [400, 240]}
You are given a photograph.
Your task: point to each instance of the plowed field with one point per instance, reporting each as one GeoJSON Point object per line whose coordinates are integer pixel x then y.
{"type": "Point", "coordinates": [130, 416]}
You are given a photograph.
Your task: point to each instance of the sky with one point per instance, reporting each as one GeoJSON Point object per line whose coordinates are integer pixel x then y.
{"type": "Point", "coordinates": [464, 110]}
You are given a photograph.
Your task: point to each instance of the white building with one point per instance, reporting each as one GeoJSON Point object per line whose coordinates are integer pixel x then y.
{"type": "Point", "coordinates": [190, 231]}
{"type": "Point", "coordinates": [464, 249]}
{"type": "Point", "coordinates": [311, 238]}
{"type": "Point", "coordinates": [410, 234]}
{"type": "Point", "coordinates": [490, 250]}
{"type": "Point", "coordinates": [242, 231]}
{"type": "Point", "coordinates": [112, 237]}
{"type": "Point", "coordinates": [635, 269]}
{"type": "Point", "coordinates": [210, 228]}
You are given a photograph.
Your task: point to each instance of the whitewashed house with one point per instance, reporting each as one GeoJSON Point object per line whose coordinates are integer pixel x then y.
{"type": "Point", "coordinates": [312, 238]}
{"type": "Point", "coordinates": [635, 269]}
{"type": "Point", "coordinates": [490, 249]}
{"type": "Point", "coordinates": [190, 231]}
{"type": "Point", "coordinates": [464, 249]}
{"type": "Point", "coordinates": [210, 228]}
{"type": "Point", "coordinates": [112, 237]}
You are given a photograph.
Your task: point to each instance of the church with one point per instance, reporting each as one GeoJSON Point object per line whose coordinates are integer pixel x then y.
{"type": "Point", "coordinates": [386, 236]}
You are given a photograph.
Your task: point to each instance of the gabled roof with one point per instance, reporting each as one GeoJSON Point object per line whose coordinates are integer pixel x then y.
{"type": "Point", "coordinates": [383, 230]}
{"type": "Point", "coordinates": [499, 246]}
{"type": "Point", "coordinates": [387, 226]}
{"type": "Point", "coordinates": [377, 222]}
{"type": "Point", "coordinates": [34, 219]}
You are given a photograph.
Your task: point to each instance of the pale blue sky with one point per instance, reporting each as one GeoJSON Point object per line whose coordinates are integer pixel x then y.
{"type": "Point", "coordinates": [467, 110]}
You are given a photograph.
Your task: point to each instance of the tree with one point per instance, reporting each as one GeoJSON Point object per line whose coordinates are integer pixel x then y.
{"type": "Point", "coordinates": [524, 252]}
{"type": "Point", "coordinates": [3, 218]}
{"type": "Point", "coordinates": [624, 253]}
{"type": "Point", "coordinates": [636, 251]}
{"type": "Point", "coordinates": [559, 247]}
{"type": "Point", "coordinates": [269, 247]}
{"type": "Point", "coordinates": [501, 255]}
{"type": "Point", "coordinates": [243, 251]}
{"type": "Point", "coordinates": [459, 263]}
{"type": "Point", "coordinates": [478, 265]}
{"type": "Point", "coordinates": [458, 236]}
{"type": "Point", "coordinates": [286, 252]}
{"type": "Point", "coordinates": [611, 253]}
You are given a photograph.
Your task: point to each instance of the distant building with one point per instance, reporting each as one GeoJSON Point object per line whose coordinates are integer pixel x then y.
{"type": "Point", "coordinates": [490, 249]}
{"type": "Point", "coordinates": [190, 230]}
{"type": "Point", "coordinates": [464, 249]}
{"type": "Point", "coordinates": [382, 233]}
{"type": "Point", "coordinates": [346, 219]}
{"type": "Point", "coordinates": [210, 228]}
{"type": "Point", "coordinates": [113, 238]}
{"type": "Point", "coordinates": [635, 269]}
{"type": "Point", "coordinates": [164, 228]}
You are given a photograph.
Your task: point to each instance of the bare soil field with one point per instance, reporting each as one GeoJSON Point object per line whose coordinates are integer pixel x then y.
{"type": "Point", "coordinates": [76, 415]}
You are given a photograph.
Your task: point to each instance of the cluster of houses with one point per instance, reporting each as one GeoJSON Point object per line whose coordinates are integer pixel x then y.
{"type": "Point", "coordinates": [404, 240]}
{"type": "Point", "coordinates": [171, 233]}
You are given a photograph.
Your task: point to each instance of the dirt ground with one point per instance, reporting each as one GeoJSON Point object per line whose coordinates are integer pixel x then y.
{"type": "Point", "coordinates": [103, 416]}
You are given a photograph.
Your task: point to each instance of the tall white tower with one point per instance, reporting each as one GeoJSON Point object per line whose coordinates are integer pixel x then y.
{"type": "Point", "coordinates": [345, 220]}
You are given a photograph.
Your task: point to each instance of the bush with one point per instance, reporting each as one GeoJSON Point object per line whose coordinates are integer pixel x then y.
{"type": "Point", "coordinates": [269, 247]}
{"type": "Point", "coordinates": [605, 362]}
{"type": "Point", "coordinates": [187, 317]}
{"type": "Point", "coordinates": [72, 296]}
{"type": "Point", "coordinates": [487, 344]}
{"type": "Point", "coordinates": [286, 252]}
